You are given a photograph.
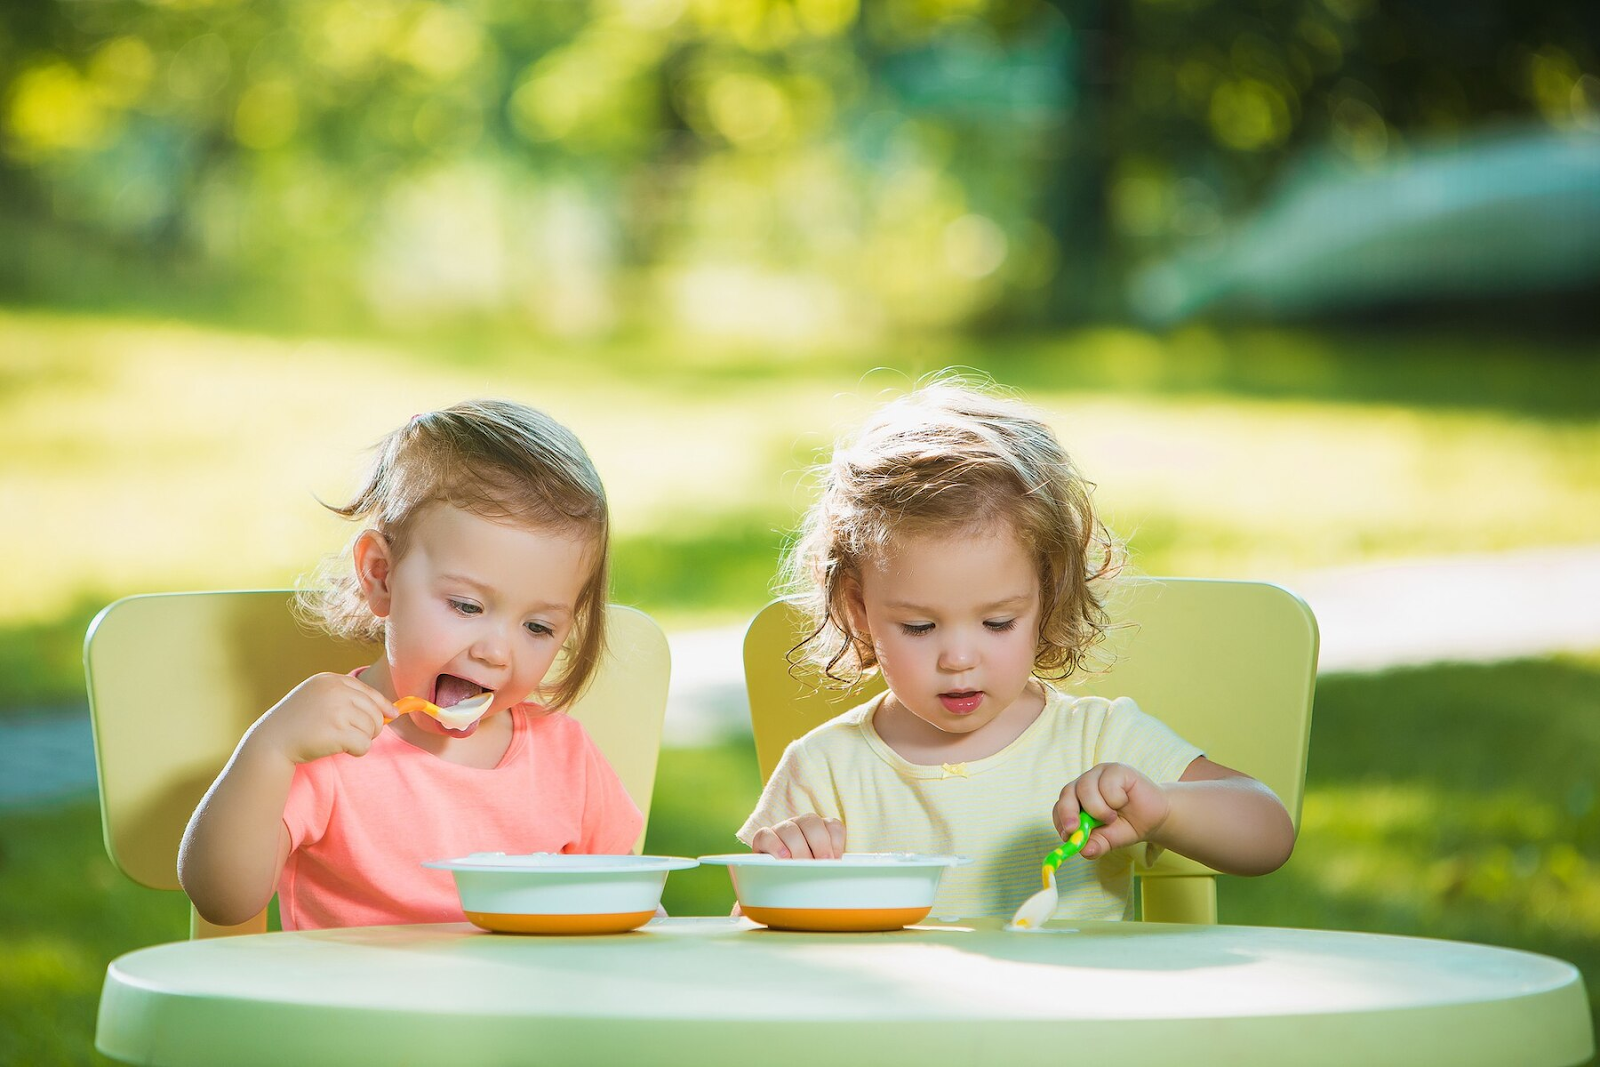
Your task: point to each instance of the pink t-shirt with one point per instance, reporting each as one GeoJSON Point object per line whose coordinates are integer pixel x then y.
{"type": "Point", "coordinates": [359, 827]}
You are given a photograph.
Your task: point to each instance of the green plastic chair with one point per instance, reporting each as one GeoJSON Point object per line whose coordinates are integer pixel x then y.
{"type": "Point", "coordinates": [175, 679]}
{"type": "Point", "coordinates": [1229, 665]}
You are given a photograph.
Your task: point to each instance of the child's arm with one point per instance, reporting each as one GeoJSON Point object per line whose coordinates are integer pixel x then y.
{"type": "Point", "coordinates": [235, 844]}
{"type": "Point", "coordinates": [1226, 820]}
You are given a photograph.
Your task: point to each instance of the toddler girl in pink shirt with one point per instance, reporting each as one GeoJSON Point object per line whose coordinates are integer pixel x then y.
{"type": "Point", "coordinates": [483, 553]}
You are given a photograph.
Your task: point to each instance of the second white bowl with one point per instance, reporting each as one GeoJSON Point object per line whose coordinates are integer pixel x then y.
{"type": "Point", "coordinates": [859, 891]}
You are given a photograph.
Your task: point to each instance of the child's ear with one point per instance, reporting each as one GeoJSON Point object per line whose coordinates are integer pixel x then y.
{"type": "Point", "coordinates": [855, 607]}
{"type": "Point", "coordinates": [374, 563]}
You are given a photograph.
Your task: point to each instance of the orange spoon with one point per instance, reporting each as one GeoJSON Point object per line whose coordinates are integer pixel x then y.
{"type": "Point", "coordinates": [456, 717]}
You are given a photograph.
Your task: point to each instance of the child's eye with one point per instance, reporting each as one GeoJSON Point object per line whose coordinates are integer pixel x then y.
{"type": "Point", "coordinates": [1000, 626]}
{"type": "Point", "coordinates": [465, 607]}
{"type": "Point", "coordinates": [916, 629]}
{"type": "Point", "coordinates": [539, 629]}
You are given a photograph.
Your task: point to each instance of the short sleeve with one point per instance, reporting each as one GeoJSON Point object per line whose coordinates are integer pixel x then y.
{"type": "Point", "coordinates": [798, 785]}
{"type": "Point", "coordinates": [611, 820]}
{"type": "Point", "coordinates": [309, 807]}
{"type": "Point", "coordinates": [1130, 735]}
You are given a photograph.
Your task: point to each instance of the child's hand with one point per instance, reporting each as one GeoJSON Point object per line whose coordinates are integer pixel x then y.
{"type": "Point", "coordinates": [1130, 807]}
{"type": "Point", "coordinates": [324, 714]}
{"type": "Point", "coordinates": [806, 837]}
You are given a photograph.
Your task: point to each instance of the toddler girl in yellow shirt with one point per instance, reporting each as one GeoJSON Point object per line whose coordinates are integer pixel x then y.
{"type": "Point", "coordinates": [955, 550]}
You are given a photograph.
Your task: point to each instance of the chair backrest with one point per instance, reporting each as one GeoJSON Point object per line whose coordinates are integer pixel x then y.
{"type": "Point", "coordinates": [1229, 665]}
{"type": "Point", "coordinates": [175, 679]}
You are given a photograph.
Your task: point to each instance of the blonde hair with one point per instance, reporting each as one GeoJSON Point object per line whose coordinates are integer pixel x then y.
{"type": "Point", "coordinates": [951, 457]}
{"type": "Point", "coordinates": [499, 460]}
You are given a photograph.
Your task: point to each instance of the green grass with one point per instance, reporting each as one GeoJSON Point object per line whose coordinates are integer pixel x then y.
{"type": "Point", "coordinates": [65, 912]}
{"type": "Point", "coordinates": [702, 796]}
{"type": "Point", "coordinates": [1452, 801]}
{"type": "Point", "coordinates": [157, 455]}
{"type": "Point", "coordinates": [1449, 801]}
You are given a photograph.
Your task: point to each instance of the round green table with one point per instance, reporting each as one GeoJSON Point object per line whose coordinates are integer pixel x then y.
{"type": "Point", "coordinates": [707, 991]}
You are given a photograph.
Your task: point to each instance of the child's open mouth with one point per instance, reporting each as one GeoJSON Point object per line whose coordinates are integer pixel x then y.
{"type": "Point", "coordinates": [962, 703]}
{"type": "Point", "coordinates": [459, 704]}
{"type": "Point", "coordinates": [449, 690]}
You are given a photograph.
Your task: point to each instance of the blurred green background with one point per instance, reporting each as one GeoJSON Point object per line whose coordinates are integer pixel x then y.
{"type": "Point", "coordinates": [1302, 283]}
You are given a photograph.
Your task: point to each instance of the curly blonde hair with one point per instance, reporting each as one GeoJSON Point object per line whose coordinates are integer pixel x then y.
{"type": "Point", "coordinates": [949, 457]}
{"type": "Point", "coordinates": [499, 460]}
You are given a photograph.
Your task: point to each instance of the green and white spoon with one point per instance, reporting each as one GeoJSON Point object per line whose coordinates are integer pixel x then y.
{"type": "Point", "coordinates": [1037, 909]}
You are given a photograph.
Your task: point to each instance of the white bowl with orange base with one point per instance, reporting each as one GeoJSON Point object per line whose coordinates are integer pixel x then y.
{"type": "Point", "coordinates": [860, 891]}
{"type": "Point", "coordinates": [550, 893]}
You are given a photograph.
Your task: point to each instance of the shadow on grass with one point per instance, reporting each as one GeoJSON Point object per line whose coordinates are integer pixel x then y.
{"type": "Point", "coordinates": [1551, 379]}
{"type": "Point", "coordinates": [41, 663]}
{"type": "Point", "coordinates": [1432, 367]}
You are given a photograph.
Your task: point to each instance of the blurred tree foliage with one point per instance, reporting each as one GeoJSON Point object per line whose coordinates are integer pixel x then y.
{"type": "Point", "coordinates": [759, 167]}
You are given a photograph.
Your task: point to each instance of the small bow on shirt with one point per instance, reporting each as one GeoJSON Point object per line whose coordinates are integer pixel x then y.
{"type": "Point", "coordinates": [954, 770]}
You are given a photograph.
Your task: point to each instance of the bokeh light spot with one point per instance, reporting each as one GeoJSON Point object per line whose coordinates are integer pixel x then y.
{"type": "Point", "coordinates": [121, 71]}
{"type": "Point", "coordinates": [748, 109]}
{"type": "Point", "coordinates": [267, 115]}
{"type": "Point", "coordinates": [974, 246]}
{"type": "Point", "coordinates": [54, 109]}
{"type": "Point", "coordinates": [1248, 114]}
{"type": "Point", "coordinates": [442, 42]}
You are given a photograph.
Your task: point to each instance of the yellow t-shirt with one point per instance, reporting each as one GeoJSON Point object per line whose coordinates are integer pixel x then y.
{"type": "Point", "coordinates": [995, 810]}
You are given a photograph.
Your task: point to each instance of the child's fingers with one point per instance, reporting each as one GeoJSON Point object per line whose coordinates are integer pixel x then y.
{"type": "Point", "coordinates": [360, 717]}
{"type": "Point", "coordinates": [1103, 790]}
{"type": "Point", "coordinates": [365, 702]}
{"type": "Point", "coordinates": [1065, 813]}
{"type": "Point", "coordinates": [820, 842]}
{"type": "Point", "coordinates": [1115, 781]}
{"type": "Point", "coordinates": [768, 842]}
{"type": "Point", "coordinates": [765, 842]}
{"type": "Point", "coordinates": [1119, 796]}
{"type": "Point", "coordinates": [377, 713]}
{"type": "Point", "coordinates": [1090, 798]}
{"type": "Point", "coordinates": [1103, 839]}
{"type": "Point", "coordinates": [836, 835]}
{"type": "Point", "coordinates": [794, 839]}
{"type": "Point", "coordinates": [354, 740]}
{"type": "Point", "coordinates": [377, 708]}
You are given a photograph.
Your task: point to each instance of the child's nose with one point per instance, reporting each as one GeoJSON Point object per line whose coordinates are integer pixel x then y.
{"type": "Point", "coordinates": [491, 647]}
{"type": "Point", "coordinates": [958, 656]}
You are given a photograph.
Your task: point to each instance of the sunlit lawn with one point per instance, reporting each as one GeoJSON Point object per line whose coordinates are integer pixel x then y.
{"type": "Point", "coordinates": [1442, 802]}
{"type": "Point", "coordinates": [146, 456]}
{"type": "Point", "coordinates": [1452, 801]}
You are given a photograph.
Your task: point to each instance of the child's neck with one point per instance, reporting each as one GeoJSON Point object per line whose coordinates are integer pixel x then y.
{"type": "Point", "coordinates": [918, 741]}
{"type": "Point", "coordinates": [484, 748]}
